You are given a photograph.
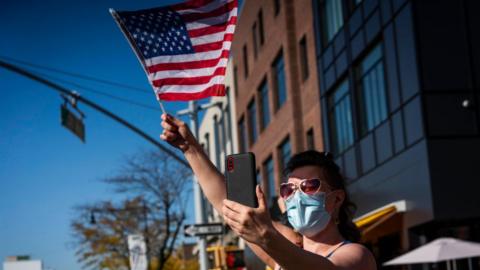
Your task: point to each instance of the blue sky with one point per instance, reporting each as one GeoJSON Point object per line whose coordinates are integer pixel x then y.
{"type": "Point", "coordinates": [44, 169]}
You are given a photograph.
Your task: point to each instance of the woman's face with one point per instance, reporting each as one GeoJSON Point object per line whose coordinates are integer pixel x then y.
{"type": "Point", "coordinates": [334, 197]}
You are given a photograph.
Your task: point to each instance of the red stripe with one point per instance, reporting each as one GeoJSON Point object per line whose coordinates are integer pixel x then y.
{"type": "Point", "coordinates": [191, 4]}
{"type": "Point", "coordinates": [188, 65]}
{"type": "Point", "coordinates": [214, 90]}
{"type": "Point", "coordinates": [214, 13]}
{"type": "Point", "coordinates": [189, 80]}
{"type": "Point", "coordinates": [212, 29]}
{"type": "Point", "coordinates": [213, 45]}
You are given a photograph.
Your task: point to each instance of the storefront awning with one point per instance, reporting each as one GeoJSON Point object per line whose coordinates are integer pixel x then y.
{"type": "Point", "coordinates": [371, 223]}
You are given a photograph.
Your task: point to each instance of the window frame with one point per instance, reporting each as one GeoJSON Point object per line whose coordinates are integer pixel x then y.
{"type": "Point", "coordinates": [303, 55]}
{"type": "Point", "coordinates": [264, 109]}
{"type": "Point", "coordinates": [252, 127]}
{"type": "Point", "coordinates": [278, 102]}
{"type": "Point", "coordinates": [332, 104]}
{"type": "Point", "coordinates": [360, 74]}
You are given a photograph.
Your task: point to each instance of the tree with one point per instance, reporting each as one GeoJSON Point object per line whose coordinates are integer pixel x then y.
{"type": "Point", "coordinates": [163, 184]}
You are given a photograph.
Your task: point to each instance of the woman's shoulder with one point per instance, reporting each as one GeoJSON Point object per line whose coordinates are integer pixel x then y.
{"type": "Point", "coordinates": [354, 256]}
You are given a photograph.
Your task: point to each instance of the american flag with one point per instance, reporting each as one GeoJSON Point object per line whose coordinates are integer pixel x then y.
{"type": "Point", "coordinates": [184, 47]}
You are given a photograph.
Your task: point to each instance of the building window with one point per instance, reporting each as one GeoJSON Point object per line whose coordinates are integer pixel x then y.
{"type": "Point", "coordinates": [285, 151]}
{"type": "Point", "coordinates": [270, 178]}
{"type": "Point", "coordinates": [279, 78]}
{"type": "Point", "coordinates": [340, 114]}
{"type": "Point", "coordinates": [276, 7]}
{"type": "Point", "coordinates": [264, 103]}
{"type": "Point", "coordinates": [371, 84]}
{"type": "Point", "coordinates": [252, 121]}
{"type": "Point", "coordinates": [333, 18]}
{"type": "Point", "coordinates": [235, 80]}
{"type": "Point", "coordinates": [255, 40]}
{"type": "Point", "coordinates": [260, 27]}
{"type": "Point", "coordinates": [304, 57]}
{"type": "Point", "coordinates": [310, 140]}
{"type": "Point", "coordinates": [245, 60]}
{"type": "Point", "coordinates": [242, 136]}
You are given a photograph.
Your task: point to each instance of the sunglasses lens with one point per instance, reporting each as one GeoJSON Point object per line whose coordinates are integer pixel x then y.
{"type": "Point", "coordinates": [286, 190]}
{"type": "Point", "coordinates": [310, 186]}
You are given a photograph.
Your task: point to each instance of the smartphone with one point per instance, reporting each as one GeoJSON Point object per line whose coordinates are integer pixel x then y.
{"type": "Point", "coordinates": [241, 179]}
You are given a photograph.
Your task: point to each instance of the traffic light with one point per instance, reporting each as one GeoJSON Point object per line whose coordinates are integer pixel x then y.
{"type": "Point", "coordinates": [235, 259]}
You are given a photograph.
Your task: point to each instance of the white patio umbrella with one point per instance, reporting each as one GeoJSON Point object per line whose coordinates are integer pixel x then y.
{"type": "Point", "coordinates": [439, 250]}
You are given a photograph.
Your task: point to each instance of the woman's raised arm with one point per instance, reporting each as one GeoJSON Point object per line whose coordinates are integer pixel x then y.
{"type": "Point", "coordinates": [211, 180]}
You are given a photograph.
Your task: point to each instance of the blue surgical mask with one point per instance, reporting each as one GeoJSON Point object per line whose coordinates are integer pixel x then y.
{"type": "Point", "coordinates": [307, 213]}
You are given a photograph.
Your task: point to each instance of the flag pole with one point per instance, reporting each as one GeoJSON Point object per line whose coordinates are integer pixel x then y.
{"type": "Point", "coordinates": [161, 106]}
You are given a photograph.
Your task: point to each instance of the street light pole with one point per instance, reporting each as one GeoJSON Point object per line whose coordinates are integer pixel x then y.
{"type": "Point", "coordinates": [200, 216]}
{"type": "Point", "coordinates": [192, 112]}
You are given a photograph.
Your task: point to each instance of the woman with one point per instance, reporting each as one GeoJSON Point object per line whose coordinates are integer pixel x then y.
{"type": "Point", "coordinates": [315, 198]}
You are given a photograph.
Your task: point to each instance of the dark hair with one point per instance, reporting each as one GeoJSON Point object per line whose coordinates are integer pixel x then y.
{"type": "Point", "coordinates": [335, 179]}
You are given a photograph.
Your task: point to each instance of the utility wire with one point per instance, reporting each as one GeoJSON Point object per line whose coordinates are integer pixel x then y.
{"type": "Point", "coordinates": [93, 105]}
{"type": "Point", "coordinates": [76, 85]}
{"type": "Point", "coordinates": [81, 76]}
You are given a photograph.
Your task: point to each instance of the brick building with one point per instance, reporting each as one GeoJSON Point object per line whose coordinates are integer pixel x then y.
{"type": "Point", "coordinates": [277, 99]}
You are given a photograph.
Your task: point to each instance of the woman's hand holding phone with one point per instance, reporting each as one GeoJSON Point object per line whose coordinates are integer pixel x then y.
{"type": "Point", "coordinates": [252, 224]}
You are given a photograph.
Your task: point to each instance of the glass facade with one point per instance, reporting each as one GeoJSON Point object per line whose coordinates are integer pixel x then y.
{"type": "Point", "coordinates": [264, 110]}
{"type": "Point", "coordinates": [371, 84]}
{"type": "Point", "coordinates": [280, 83]}
{"type": "Point", "coordinates": [340, 112]}
{"type": "Point", "coordinates": [252, 120]}
{"type": "Point", "coordinates": [333, 18]}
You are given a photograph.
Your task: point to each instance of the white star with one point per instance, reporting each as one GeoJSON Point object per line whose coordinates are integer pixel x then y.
{"type": "Point", "coordinates": [184, 37]}
{"type": "Point", "coordinates": [178, 33]}
{"type": "Point", "coordinates": [152, 36]}
{"type": "Point", "coordinates": [154, 50]}
{"type": "Point", "coordinates": [163, 49]}
{"type": "Point", "coordinates": [157, 45]}
{"type": "Point", "coordinates": [171, 49]}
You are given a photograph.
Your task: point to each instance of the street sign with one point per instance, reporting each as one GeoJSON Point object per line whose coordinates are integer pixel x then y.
{"type": "Point", "coordinates": [73, 123]}
{"type": "Point", "coordinates": [137, 249]}
{"type": "Point", "coordinates": [203, 229]}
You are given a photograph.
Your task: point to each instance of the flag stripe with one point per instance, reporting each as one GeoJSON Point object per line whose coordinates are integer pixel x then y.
{"type": "Point", "coordinates": [175, 73]}
{"type": "Point", "coordinates": [189, 65]}
{"type": "Point", "coordinates": [211, 21]}
{"type": "Point", "coordinates": [204, 8]}
{"type": "Point", "coordinates": [192, 88]}
{"type": "Point", "coordinates": [212, 29]}
{"type": "Point", "coordinates": [216, 12]}
{"type": "Point", "coordinates": [193, 4]}
{"type": "Point", "coordinates": [189, 80]}
{"type": "Point", "coordinates": [214, 90]}
{"type": "Point", "coordinates": [212, 46]}
{"type": "Point", "coordinates": [188, 57]}
{"type": "Point", "coordinates": [213, 37]}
